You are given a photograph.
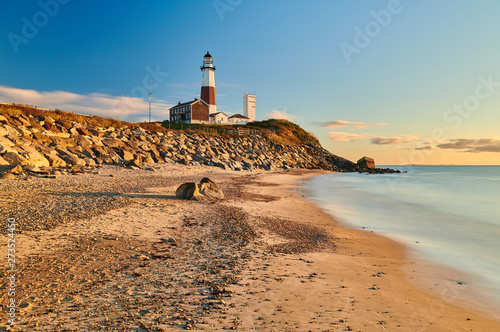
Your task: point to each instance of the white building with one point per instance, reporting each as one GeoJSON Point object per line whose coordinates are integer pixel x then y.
{"type": "Point", "coordinates": [249, 106]}
{"type": "Point", "coordinates": [218, 118]}
{"type": "Point", "coordinates": [238, 119]}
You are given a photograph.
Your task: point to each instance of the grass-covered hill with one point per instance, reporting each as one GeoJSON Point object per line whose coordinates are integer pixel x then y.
{"type": "Point", "coordinates": [286, 132]}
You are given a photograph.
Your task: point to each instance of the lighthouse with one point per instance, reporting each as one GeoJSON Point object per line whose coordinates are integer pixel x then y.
{"type": "Point", "coordinates": [208, 83]}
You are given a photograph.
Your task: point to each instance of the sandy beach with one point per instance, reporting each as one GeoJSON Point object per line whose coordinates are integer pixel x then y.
{"type": "Point", "coordinates": [262, 259]}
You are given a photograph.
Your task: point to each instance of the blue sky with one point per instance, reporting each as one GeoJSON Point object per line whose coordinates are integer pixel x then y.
{"type": "Point", "coordinates": [334, 67]}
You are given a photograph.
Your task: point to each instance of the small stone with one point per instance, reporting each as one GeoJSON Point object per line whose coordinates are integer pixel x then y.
{"type": "Point", "coordinates": [8, 176]}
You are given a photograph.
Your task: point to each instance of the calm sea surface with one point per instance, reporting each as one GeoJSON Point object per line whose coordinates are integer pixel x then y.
{"type": "Point", "coordinates": [448, 214]}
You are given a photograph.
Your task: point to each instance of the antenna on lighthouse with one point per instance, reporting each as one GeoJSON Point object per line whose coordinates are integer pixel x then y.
{"type": "Point", "coordinates": [150, 100]}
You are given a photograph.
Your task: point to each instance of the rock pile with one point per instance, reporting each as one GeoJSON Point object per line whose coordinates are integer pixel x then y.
{"type": "Point", "coordinates": [42, 143]}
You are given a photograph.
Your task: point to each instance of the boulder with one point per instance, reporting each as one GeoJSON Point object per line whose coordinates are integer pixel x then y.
{"type": "Point", "coordinates": [45, 119]}
{"type": "Point", "coordinates": [74, 160]}
{"type": "Point", "coordinates": [35, 125]}
{"type": "Point", "coordinates": [14, 121]}
{"type": "Point", "coordinates": [64, 124]}
{"type": "Point", "coordinates": [12, 169]}
{"type": "Point", "coordinates": [148, 160]}
{"type": "Point", "coordinates": [126, 155]}
{"type": "Point", "coordinates": [34, 158]}
{"type": "Point", "coordinates": [188, 190]}
{"type": "Point", "coordinates": [5, 145]}
{"type": "Point", "coordinates": [6, 130]}
{"type": "Point", "coordinates": [82, 141]}
{"type": "Point", "coordinates": [88, 153]}
{"type": "Point", "coordinates": [90, 162]}
{"type": "Point", "coordinates": [99, 151]}
{"type": "Point", "coordinates": [136, 163]}
{"type": "Point", "coordinates": [23, 131]}
{"type": "Point", "coordinates": [366, 162]}
{"type": "Point", "coordinates": [8, 176]}
{"type": "Point", "coordinates": [210, 189]}
{"type": "Point", "coordinates": [205, 190]}
{"type": "Point", "coordinates": [50, 126]}
{"type": "Point", "coordinates": [83, 131]}
{"type": "Point", "coordinates": [15, 159]}
{"type": "Point", "coordinates": [73, 132]}
{"type": "Point", "coordinates": [3, 162]}
{"type": "Point", "coordinates": [41, 138]}
{"type": "Point", "coordinates": [63, 135]}
{"type": "Point", "coordinates": [198, 157]}
{"type": "Point", "coordinates": [55, 161]}
{"type": "Point", "coordinates": [113, 143]}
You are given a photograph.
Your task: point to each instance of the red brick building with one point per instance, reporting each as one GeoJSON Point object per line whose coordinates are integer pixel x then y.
{"type": "Point", "coordinates": [195, 111]}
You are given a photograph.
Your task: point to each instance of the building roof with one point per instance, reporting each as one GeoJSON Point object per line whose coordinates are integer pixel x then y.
{"type": "Point", "coordinates": [207, 55]}
{"type": "Point", "coordinates": [189, 103]}
{"type": "Point", "coordinates": [214, 114]}
{"type": "Point", "coordinates": [239, 116]}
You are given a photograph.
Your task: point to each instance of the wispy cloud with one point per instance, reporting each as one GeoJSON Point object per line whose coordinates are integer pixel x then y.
{"type": "Point", "coordinates": [118, 107]}
{"type": "Point", "coordinates": [428, 147]}
{"type": "Point", "coordinates": [468, 145]}
{"type": "Point", "coordinates": [277, 114]}
{"type": "Point", "coordinates": [344, 137]}
{"type": "Point", "coordinates": [394, 139]}
{"type": "Point", "coordinates": [357, 125]}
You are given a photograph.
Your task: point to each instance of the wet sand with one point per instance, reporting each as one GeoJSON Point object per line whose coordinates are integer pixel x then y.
{"type": "Point", "coordinates": [361, 285]}
{"type": "Point", "coordinates": [263, 259]}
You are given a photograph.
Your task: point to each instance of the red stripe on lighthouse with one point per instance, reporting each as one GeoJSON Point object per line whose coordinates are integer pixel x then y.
{"type": "Point", "coordinates": [208, 95]}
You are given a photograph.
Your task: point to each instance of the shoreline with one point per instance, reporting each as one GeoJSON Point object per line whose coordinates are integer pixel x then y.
{"type": "Point", "coordinates": [229, 267]}
{"type": "Point", "coordinates": [423, 274]}
{"type": "Point", "coordinates": [445, 282]}
{"type": "Point", "coordinates": [424, 311]}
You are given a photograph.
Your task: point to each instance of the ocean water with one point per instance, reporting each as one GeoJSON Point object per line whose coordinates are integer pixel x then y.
{"type": "Point", "coordinates": [449, 215]}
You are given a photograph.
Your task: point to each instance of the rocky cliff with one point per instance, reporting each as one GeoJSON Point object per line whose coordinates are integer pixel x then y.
{"type": "Point", "coordinates": [38, 143]}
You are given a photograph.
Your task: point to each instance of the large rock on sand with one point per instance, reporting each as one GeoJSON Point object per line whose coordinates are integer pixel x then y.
{"type": "Point", "coordinates": [206, 190]}
{"type": "Point", "coordinates": [210, 189]}
{"type": "Point", "coordinates": [188, 190]}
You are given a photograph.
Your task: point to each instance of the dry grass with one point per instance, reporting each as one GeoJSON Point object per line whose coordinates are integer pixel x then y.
{"type": "Point", "coordinates": [58, 115]}
{"type": "Point", "coordinates": [284, 132]}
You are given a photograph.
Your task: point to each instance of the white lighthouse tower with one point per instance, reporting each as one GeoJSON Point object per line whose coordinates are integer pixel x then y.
{"type": "Point", "coordinates": [208, 83]}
